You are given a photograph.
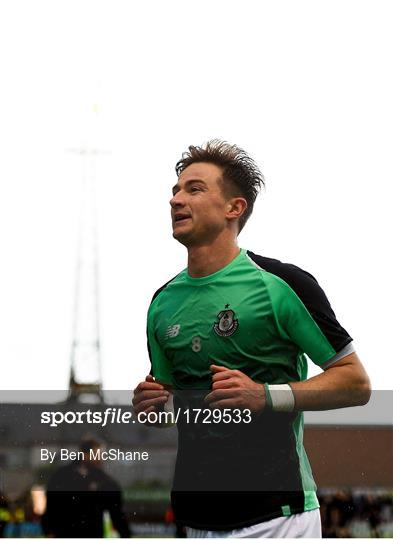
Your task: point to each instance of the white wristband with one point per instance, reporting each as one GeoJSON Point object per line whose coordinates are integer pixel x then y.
{"type": "Point", "coordinates": [282, 397]}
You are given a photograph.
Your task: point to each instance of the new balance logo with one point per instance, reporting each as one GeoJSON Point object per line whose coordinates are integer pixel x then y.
{"type": "Point", "coordinates": [172, 331]}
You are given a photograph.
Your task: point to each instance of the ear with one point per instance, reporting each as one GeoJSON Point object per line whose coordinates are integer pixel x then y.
{"type": "Point", "coordinates": [236, 208]}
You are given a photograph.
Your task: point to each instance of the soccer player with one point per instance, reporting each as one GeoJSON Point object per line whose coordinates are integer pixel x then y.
{"type": "Point", "coordinates": [230, 333]}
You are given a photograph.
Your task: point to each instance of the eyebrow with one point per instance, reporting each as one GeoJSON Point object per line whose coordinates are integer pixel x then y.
{"type": "Point", "coordinates": [176, 188]}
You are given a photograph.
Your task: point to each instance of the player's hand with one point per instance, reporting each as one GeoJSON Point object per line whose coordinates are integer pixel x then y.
{"type": "Point", "coordinates": [233, 389]}
{"type": "Point", "coordinates": [148, 395]}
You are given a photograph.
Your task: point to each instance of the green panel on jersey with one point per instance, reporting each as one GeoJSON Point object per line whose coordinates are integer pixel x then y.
{"type": "Point", "coordinates": [286, 510]}
{"type": "Point", "coordinates": [240, 317]}
{"type": "Point", "coordinates": [310, 501]}
{"type": "Point", "coordinates": [308, 482]}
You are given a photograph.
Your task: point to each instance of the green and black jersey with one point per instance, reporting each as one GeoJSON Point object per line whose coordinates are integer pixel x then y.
{"type": "Point", "coordinates": [262, 317]}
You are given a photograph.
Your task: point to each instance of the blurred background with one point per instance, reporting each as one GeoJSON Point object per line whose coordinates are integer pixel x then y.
{"type": "Point", "coordinates": [97, 102]}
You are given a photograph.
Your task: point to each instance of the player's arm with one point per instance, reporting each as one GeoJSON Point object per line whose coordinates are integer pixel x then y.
{"type": "Point", "coordinates": [233, 389]}
{"type": "Point", "coordinates": [343, 384]}
{"type": "Point", "coordinates": [151, 395]}
{"type": "Point", "coordinates": [304, 316]}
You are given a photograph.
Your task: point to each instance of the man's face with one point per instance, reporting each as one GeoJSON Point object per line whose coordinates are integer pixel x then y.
{"type": "Point", "coordinates": [198, 205]}
{"type": "Point", "coordinates": [94, 452]}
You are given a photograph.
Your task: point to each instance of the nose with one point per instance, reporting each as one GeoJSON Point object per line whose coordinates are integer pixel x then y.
{"type": "Point", "coordinates": [177, 200]}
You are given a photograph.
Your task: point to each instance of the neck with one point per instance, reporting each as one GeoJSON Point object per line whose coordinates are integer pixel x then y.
{"type": "Point", "coordinates": [207, 259]}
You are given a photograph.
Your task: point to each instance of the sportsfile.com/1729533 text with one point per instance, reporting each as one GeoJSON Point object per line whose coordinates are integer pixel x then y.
{"type": "Point", "coordinates": [115, 415]}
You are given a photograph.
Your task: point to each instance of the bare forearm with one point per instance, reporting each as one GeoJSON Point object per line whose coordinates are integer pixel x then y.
{"type": "Point", "coordinates": [339, 386]}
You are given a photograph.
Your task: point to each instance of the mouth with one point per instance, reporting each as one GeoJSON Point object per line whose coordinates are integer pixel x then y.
{"type": "Point", "coordinates": [180, 217]}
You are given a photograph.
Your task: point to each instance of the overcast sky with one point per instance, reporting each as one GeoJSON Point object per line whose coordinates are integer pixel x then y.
{"type": "Point", "coordinates": [305, 87]}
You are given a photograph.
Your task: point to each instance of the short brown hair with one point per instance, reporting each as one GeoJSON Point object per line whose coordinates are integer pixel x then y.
{"type": "Point", "coordinates": [240, 173]}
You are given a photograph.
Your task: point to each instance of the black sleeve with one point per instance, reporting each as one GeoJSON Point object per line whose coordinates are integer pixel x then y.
{"type": "Point", "coordinates": [311, 294]}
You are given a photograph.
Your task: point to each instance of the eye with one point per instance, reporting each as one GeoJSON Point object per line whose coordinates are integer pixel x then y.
{"type": "Point", "coordinates": [195, 188]}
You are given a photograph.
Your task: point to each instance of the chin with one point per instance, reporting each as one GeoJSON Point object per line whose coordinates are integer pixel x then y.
{"type": "Point", "coordinates": [179, 237]}
{"type": "Point", "coordinates": [183, 238]}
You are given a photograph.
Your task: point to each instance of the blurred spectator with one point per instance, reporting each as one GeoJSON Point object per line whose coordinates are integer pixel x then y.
{"type": "Point", "coordinates": [78, 495]}
{"type": "Point", "coordinates": [170, 518]}
{"type": "Point", "coordinates": [5, 515]}
{"type": "Point", "coordinates": [372, 513]}
{"type": "Point", "coordinates": [345, 515]}
{"type": "Point", "coordinates": [338, 510]}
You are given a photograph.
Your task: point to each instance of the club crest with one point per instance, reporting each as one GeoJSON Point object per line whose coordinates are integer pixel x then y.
{"type": "Point", "coordinates": [227, 324]}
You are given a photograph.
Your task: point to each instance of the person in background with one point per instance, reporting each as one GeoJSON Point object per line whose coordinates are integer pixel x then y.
{"type": "Point", "coordinates": [78, 494]}
{"type": "Point", "coordinates": [5, 514]}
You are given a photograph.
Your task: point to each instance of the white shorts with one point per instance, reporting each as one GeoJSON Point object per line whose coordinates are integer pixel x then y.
{"type": "Point", "coordinates": [304, 525]}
